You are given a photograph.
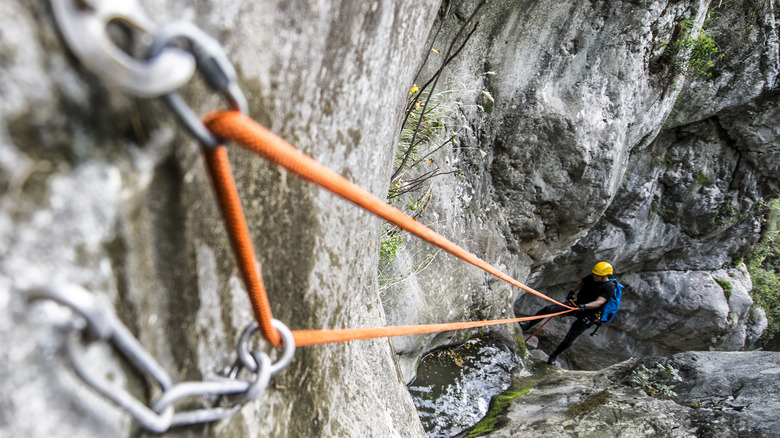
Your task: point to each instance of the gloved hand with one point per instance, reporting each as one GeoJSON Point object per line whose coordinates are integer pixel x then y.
{"type": "Point", "coordinates": [581, 307]}
{"type": "Point", "coordinates": [570, 296]}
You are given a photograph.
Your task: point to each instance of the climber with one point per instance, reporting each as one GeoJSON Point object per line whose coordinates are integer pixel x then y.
{"type": "Point", "coordinates": [592, 292]}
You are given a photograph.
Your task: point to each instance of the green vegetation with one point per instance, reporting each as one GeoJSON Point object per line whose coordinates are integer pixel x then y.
{"type": "Point", "coordinates": [728, 215]}
{"type": "Point", "coordinates": [690, 52]}
{"type": "Point", "coordinates": [657, 208]}
{"type": "Point", "coordinates": [702, 50]}
{"type": "Point", "coordinates": [497, 407]}
{"type": "Point", "coordinates": [727, 288]}
{"type": "Point", "coordinates": [388, 247]}
{"type": "Point", "coordinates": [655, 382]}
{"type": "Point", "coordinates": [588, 405]}
{"type": "Point", "coordinates": [702, 179]}
{"type": "Point", "coordinates": [522, 349]}
{"type": "Point", "coordinates": [416, 161]}
{"type": "Point", "coordinates": [430, 125]}
{"type": "Point", "coordinates": [764, 267]}
{"type": "Point", "coordinates": [695, 404]}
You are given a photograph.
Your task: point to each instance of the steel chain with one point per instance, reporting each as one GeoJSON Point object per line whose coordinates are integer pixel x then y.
{"type": "Point", "coordinates": [174, 53]}
{"type": "Point", "coordinates": [221, 396]}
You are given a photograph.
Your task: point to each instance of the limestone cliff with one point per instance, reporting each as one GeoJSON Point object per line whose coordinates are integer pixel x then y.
{"type": "Point", "coordinates": [107, 192]}
{"type": "Point", "coordinates": [584, 140]}
{"type": "Point", "coordinates": [602, 145]}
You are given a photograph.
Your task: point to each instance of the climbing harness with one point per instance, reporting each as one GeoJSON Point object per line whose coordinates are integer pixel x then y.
{"type": "Point", "coordinates": [101, 324]}
{"type": "Point", "coordinates": [176, 52]}
{"type": "Point", "coordinates": [549, 318]}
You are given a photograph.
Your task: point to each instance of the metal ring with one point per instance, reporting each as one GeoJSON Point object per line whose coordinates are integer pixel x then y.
{"type": "Point", "coordinates": [288, 343]}
{"type": "Point", "coordinates": [208, 415]}
{"type": "Point", "coordinates": [83, 26]}
{"type": "Point", "coordinates": [264, 373]}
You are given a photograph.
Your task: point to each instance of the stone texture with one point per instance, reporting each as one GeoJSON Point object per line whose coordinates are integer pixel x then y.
{"type": "Point", "coordinates": [599, 146]}
{"type": "Point", "coordinates": [691, 202]}
{"type": "Point", "coordinates": [107, 192]}
{"type": "Point", "coordinates": [721, 394]}
{"type": "Point", "coordinates": [581, 145]}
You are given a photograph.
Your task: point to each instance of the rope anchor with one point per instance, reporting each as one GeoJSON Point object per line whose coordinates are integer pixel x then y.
{"type": "Point", "coordinates": [167, 67]}
{"type": "Point", "coordinates": [84, 24]}
{"type": "Point", "coordinates": [222, 126]}
{"type": "Point", "coordinates": [101, 324]}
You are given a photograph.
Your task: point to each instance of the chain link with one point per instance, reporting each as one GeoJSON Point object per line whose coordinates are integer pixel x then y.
{"type": "Point", "coordinates": [221, 396]}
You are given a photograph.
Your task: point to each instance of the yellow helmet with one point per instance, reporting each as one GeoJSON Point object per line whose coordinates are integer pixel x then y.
{"type": "Point", "coordinates": [602, 269]}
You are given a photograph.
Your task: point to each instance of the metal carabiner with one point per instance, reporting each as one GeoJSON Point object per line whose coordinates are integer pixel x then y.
{"type": "Point", "coordinates": [157, 422]}
{"type": "Point", "coordinates": [83, 24]}
{"type": "Point", "coordinates": [212, 63]}
{"type": "Point", "coordinates": [103, 323]}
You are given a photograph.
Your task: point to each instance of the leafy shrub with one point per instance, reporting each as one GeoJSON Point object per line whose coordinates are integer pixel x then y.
{"type": "Point", "coordinates": [655, 382]}
{"type": "Point", "coordinates": [764, 268]}
{"type": "Point", "coordinates": [689, 54]}
{"type": "Point", "coordinates": [702, 48]}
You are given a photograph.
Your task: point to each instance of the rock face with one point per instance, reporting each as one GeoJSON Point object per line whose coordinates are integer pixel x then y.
{"type": "Point", "coordinates": [691, 202]}
{"type": "Point", "coordinates": [107, 192]}
{"type": "Point", "coordinates": [719, 394]}
{"type": "Point", "coordinates": [584, 141]}
{"type": "Point", "coordinates": [600, 146]}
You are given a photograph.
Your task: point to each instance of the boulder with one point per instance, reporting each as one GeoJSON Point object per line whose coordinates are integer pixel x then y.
{"type": "Point", "coordinates": [714, 394]}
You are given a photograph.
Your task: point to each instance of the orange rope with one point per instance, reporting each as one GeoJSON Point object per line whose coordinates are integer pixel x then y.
{"type": "Point", "coordinates": [571, 301]}
{"type": "Point", "coordinates": [238, 231]}
{"type": "Point", "coordinates": [313, 337]}
{"type": "Point", "coordinates": [240, 129]}
{"type": "Point", "coordinates": [539, 329]}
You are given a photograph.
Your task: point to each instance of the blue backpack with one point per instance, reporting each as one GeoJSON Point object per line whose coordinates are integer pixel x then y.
{"type": "Point", "coordinates": [610, 309]}
{"type": "Point", "coordinates": [612, 306]}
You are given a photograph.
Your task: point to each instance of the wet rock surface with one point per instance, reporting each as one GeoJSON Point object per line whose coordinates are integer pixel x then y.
{"type": "Point", "coordinates": [454, 385]}
{"type": "Point", "coordinates": [718, 394]}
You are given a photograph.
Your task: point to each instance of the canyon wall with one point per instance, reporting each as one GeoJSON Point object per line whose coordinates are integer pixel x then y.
{"type": "Point", "coordinates": [598, 142]}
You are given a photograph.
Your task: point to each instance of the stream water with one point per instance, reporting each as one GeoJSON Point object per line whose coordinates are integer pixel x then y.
{"type": "Point", "coordinates": [454, 385]}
